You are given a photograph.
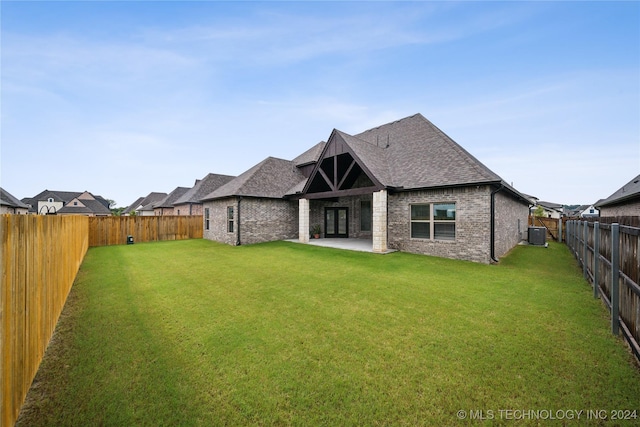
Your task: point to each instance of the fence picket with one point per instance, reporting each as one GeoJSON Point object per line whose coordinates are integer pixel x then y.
{"type": "Point", "coordinates": [41, 255]}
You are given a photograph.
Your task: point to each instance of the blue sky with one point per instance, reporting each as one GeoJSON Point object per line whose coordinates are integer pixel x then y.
{"type": "Point", "coordinates": [125, 98]}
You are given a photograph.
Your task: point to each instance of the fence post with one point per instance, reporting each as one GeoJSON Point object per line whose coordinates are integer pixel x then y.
{"type": "Point", "coordinates": [560, 230]}
{"type": "Point", "coordinates": [596, 259]}
{"type": "Point", "coordinates": [615, 273]}
{"type": "Point", "coordinates": [585, 250]}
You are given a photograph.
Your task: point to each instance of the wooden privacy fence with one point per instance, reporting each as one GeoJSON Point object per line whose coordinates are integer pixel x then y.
{"type": "Point", "coordinates": [41, 255]}
{"type": "Point", "coordinates": [556, 227]}
{"type": "Point", "coordinates": [40, 258]}
{"type": "Point", "coordinates": [114, 230]}
{"type": "Point", "coordinates": [610, 258]}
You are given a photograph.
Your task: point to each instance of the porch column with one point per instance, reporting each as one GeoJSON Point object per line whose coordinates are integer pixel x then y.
{"type": "Point", "coordinates": [303, 220]}
{"type": "Point", "coordinates": [380, 221]}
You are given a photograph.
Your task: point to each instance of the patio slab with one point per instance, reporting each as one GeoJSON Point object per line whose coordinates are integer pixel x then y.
{"type": "Point", "coordinates": [361, 245]}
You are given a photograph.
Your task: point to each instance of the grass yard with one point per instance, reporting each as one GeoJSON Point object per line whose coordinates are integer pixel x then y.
{"type": "Point", "coordinates": [199, 333]}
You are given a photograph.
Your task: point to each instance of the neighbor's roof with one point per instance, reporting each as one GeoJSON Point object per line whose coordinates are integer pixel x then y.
{"type": "Point", "coordinates": [7, 199]}
{"type": "Point", "coordinates": [271, 178]}
{"type": "Point", "coordinates": [85, 206]}
{"type": "Point", "coordinates": [631, 190]}
{"type": "Point", "coordinates": [168, 201]}
{"type": "Point", "coordinates": [146, 203]}
{"type": "Point", "coordinates": [203, 187]}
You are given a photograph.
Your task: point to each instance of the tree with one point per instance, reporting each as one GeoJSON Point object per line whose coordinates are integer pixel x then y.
{"type": "Point", "coordinates": [539, 211]}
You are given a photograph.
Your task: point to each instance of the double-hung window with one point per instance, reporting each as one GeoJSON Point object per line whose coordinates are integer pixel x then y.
{"type": "Point", "coordinates": [206, 218]}
{"type": "Point", "coordinates": [230, 219]}
{"type": "Point", "coordinates": [433, 221]}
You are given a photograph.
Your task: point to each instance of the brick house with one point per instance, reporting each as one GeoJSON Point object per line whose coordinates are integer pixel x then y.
{"type": "Point", "coordinates": [11, 205]}
{"type": "Point", "coordinates": [189, 203]}
{"type": "Point", "coordinates": [405, 185]}
{"type": "Point", "coordinates": [50, 202]}
{"type": "Point", "coordinates": [624, 202]}
{"type": "Point", "coordinates": [165, 206]}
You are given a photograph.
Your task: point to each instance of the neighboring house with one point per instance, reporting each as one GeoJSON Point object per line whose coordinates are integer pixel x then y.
{"type": "Point", "coordinates": [190, 202]}
{"type": "Point", "coordinates": [624, 202]}
{"type": "Point", "coordinates": [551, 210]}
{"type": "Point", "coordinates": [405, 185]}
{"type": "Point", "coordinates": [10, 205]}
{"type": "Point", "coordinates": [583, 211]}
{"type": "Point", "coordinates": [143, 206]}
{"type": "Point", "coordinates": [85, 204]}
{"type": "Point", "coordinates": [51, 202]}
{"type": "Point", "coordinates": [165, 206]}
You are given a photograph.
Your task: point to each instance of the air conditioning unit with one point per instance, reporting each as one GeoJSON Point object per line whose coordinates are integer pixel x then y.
{"type": "Point", "coordinates": [537, 236]}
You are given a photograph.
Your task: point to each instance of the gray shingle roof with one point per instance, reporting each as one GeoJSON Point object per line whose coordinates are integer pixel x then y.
{"type": "Point", "coordinates": [203, 187]}
{"type": "Point", "coordinates": [271, 178]}
{"type": "Point", "coordinates": [57, 196]}
{"type": "Point", "coordinates": [419, 155]}
{"type": "Point", "coordinates": [85, 206]}
{"type": "Point", "coordinates": [309, 156]}
{"type": "Point", "coordinates": [168, 201]}
{"type": "Point", "coordinates": [631, 190]}
{"type": "Point", "coordinates": [146, 202]}
{"type": "Point", "coordinates": [7, 199]}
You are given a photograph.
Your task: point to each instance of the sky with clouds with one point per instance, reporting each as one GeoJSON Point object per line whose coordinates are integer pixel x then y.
{"type": "Point", "coordinates": [125, 98]}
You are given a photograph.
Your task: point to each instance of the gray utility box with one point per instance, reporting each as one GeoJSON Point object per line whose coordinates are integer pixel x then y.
{"type": "Point", "coordinates": [537, 236]}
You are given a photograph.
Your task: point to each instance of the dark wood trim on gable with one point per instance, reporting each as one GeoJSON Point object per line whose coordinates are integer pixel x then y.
{"type": "Point", "coordinates": [339, 172]}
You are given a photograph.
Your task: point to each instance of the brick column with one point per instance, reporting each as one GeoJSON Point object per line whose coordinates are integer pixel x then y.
{"type": "Point", "coordinates": [380, 221]}
{"type": "Point", "coordinates": [303, 220]}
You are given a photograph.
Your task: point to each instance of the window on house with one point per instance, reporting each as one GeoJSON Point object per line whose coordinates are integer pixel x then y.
{"type": "Point", "coordinates": [50, 200]}
{"type": "Point", "coordinates": [435, 221]}
{"type": "Point", "coordinates": [206, 218]}
{"type": "Point", "coordinates": [365, 215]}
{"type": "Point", "coordinates": [230, 219]}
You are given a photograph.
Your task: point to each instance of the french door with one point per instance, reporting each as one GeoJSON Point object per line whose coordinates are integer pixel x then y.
{"type": "Point", "coordinates": [336, 222]}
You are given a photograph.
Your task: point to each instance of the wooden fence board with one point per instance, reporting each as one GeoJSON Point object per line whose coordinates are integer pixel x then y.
{"type": "Point", "coordinates": [106, 231]}
{"type": "Point", "coordinates": [41, 256]}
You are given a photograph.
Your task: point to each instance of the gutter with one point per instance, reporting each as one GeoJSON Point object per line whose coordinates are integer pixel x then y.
{"type": "Point", "coordinates": [493, 223]}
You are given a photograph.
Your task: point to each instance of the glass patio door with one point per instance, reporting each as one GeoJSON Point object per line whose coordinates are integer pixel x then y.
{"type": "Point", "coordinates": [336, 222]}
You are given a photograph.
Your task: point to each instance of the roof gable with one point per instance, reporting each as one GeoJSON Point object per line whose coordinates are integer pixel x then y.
{"type": "Point", "coordinates": [203, 187]}
{"type": "Point", "coordinates": [168, 201]}
{"type": "Point", "coordinates": [271, 178]}
{"type": "Point", "coordinates": [340, 170]}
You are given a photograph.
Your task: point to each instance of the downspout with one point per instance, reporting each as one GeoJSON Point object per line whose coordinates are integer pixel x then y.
{"type": "Point", "coordinates": [238, 222]}
{"type": "Point", "coordinates": [493, 223]}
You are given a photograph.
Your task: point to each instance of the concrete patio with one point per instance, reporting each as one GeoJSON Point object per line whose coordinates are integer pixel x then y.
{"type": "Point", "coordinates": [361, 245]}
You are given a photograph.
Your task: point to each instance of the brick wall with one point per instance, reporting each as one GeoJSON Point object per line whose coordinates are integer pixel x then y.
{"type": "Point", "coordinates": [511, 223]}
{"type": "Point", "coordinates": [472, 241]}
{"type": "Point", "coordinates": [261, 220]}
{"type": "Point", "coordinates": [218, 221]}
{"type": "Point", "coordinates": [188, 209]}
{"type": "Point", "coordinates": [266, 220]}
{"type": "Point", "coordinates": [631, 208]}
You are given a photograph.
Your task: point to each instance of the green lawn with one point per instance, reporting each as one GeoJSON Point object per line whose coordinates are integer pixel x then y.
{"type": "Point", "coordinates": [199, 333]}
